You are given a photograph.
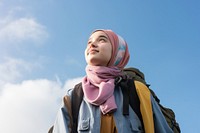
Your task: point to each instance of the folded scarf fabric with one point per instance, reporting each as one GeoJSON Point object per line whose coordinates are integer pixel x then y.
{"type": "Point", "coordinates": [98, 86]}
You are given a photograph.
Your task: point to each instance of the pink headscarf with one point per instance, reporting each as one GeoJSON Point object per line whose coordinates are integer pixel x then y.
{"type": "Point", "coordinates": [98, 84]}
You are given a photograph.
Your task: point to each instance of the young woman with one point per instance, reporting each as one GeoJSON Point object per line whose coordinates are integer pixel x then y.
{"type": "Point", "coordinates": [106, 55]}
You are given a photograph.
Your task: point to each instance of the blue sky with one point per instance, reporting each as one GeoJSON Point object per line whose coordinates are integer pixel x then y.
{"type": "Point", "coordinates": [42, 46]}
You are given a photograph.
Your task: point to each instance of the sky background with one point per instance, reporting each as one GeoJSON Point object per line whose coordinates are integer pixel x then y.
{"type": "Point", "coordinates": [42, 45]}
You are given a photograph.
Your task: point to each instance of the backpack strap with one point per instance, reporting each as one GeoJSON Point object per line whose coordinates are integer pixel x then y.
{"type": "Point", "coordinates": [77, 97]}
{"type": "Point", "coordinates": [129, 90]}
{"type": "Point", "coordinates": [51, 130]}
{"type": "Point", "coordinates": [137, 95]}
{"type": "Point", "coordinates": [144, 95]}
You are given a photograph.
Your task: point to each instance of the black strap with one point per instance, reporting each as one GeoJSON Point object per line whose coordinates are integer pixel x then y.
{"type": "Point", "coordinates": [77, 97]}
{"type": "Point", "coordinates": [134, 99]}
{"type": "Point", "coordinates": [125, 92]}
{"type": "Point", "coordinates": [130, 97]}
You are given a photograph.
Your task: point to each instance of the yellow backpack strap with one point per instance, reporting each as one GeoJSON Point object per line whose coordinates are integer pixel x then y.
{"type": "Point", "coordinates": [145, 106]}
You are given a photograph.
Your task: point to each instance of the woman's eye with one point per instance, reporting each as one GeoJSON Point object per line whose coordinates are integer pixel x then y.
{"type": "Point", "coordinates": [102, 40]}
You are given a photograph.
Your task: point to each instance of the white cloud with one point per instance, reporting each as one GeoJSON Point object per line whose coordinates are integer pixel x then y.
{"type": "Point", "coordinates": [12, 69]}
{"type": "Point", "coordinates": [31, 107]}
{"type": "Point", "coordinates": [18, 25]}
{"type": "Point", "coordinates": [20, 30]}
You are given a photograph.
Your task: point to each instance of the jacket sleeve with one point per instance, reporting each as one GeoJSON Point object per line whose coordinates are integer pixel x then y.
{"type": "Point", "coordinates": [160, 124]}
{"type": "Point", "coordinates": [63, 120]}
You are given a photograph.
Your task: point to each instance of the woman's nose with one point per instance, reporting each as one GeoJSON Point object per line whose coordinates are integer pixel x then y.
{"type": "Point", "coordinates": [93, 44]}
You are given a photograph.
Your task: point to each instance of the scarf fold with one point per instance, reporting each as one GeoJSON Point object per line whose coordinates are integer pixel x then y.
{"type": "Point", "coordinates": [98, 86]}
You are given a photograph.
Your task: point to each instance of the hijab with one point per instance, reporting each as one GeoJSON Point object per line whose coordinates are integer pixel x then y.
{"type": "Point", "coordinates": [99, 82]}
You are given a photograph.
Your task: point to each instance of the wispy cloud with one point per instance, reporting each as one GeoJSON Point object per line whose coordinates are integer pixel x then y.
{"type": "Point", "coordinates": [18, 25]}
{"type": "Point", "coordinates": [33, 103]}
{"type": "Point", "coordinates": [21, 29]}
{"type": "Point", "coordinates": [12, 69]}
{"type": "Point", "coordinates": [20, 32]}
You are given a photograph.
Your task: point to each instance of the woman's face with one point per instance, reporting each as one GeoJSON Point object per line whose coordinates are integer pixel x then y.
{"type": "Point", "coordinates": [99, 49]}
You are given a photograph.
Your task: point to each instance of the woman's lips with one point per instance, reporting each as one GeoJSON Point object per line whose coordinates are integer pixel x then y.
{"type": "Point", "coordinates": [91, 51]}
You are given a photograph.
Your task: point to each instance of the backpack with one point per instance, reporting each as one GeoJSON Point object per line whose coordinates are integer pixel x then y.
{"type": "Point", "coordinates": [133, 100]}
{"type": "Point", "coordinates": [132, 74]}
{"type": "Point", "coordinates": [167, 112]}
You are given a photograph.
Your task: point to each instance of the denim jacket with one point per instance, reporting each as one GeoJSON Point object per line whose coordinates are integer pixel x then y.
{"type": "Point", "coordinates": [90, 118]}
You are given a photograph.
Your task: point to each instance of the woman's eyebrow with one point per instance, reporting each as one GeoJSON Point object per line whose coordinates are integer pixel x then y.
{"type": "Point", "coordinates": [103, 36]}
